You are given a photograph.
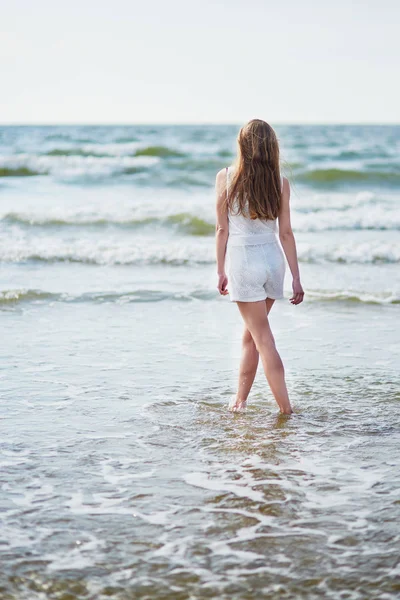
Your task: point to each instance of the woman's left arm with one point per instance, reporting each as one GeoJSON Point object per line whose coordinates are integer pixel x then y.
{"type": "Point", "coordinates": [221, 230]}
{"type": "Point", "coordinates": [288, 243]}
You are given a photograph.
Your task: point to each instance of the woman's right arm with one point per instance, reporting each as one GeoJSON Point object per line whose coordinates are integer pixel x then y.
{"type": "Point", "coordinates": [289, 244]}
{"type": "Point", "coordinates": [221, 230]}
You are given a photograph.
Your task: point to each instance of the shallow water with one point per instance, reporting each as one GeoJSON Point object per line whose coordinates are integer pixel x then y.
{"type": "Point", "coordinates": [122, 473]}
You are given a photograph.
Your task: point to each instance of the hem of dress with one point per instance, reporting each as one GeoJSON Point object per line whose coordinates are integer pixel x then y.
{"type": "Point", "coordinates": [254, 299]}
{"type": "Point", "coordinates": [257, 299]}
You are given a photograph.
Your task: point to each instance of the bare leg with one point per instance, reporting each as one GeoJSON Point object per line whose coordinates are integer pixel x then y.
{"type": "Point", "coordinates": [256, 319]}
{"type": "Point", "coordinates": [248, 362]}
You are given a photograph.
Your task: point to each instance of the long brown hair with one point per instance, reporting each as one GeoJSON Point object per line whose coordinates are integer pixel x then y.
{"type": "Point", "coordinates": [255, 190]}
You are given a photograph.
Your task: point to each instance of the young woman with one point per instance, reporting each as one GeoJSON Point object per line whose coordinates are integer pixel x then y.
{"type": "Point", "coordinates": [251, 197]}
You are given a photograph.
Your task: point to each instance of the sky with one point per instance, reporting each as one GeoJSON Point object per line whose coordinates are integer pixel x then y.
{"type": "Point", "coordinates": [209, 61]}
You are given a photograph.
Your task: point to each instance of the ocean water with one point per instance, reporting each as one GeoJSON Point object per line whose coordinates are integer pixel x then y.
{"type": "Point", "coordinates": [122, 474]}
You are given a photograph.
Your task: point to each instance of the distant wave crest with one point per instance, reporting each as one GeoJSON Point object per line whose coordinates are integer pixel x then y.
{"type": "Point", "coordinates": [20, 296]}
{"type": "Point", "coordinates": [162, 151]}
{"type": "Point", "coordinates": [112, 150]}
{"type": "Point", "coordinates": [185, 222]}
{"type": "Point", "coordinates": [19, 172]}
{"type": "Point", "coordinates": [16, 296]}
{"type": "Point", "coordinates": [170, 166]}
{"type": "Point", "coordinates": [336, 176]}
{"type": "Point", "coordinates": [177, 251]}
{"type": "Point", "coordinates": [353, 296]}
{"type": "Point", "coordinates": [321, 219]}
{"type": "Point", "coordinates": [13, 297]}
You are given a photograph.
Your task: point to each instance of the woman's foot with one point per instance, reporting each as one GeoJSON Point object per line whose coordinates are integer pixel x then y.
{"type": "Point", "coordinates": [236, 405]}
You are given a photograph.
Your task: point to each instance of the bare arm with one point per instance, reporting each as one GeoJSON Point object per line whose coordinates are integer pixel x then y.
{"type": "Point", "coordinates": [289, 244]}
{"type": "Point", "coordinates": [221, 230]}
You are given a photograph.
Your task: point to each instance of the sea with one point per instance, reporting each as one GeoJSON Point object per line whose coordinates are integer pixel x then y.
{"type": "Point", "coordinates": [122, 473]}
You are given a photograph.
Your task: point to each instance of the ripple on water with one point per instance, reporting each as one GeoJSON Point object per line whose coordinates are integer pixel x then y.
{"type": "Point", "coordinates": [185, 496]}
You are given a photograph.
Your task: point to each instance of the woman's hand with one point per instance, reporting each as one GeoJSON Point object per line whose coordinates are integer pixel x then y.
{"type": "Point", "coordinates": [298, 293]}
{"type": "Point", "coordinates": [222, 284]}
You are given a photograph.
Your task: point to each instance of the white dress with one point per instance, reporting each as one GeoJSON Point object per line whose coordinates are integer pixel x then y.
{"type": "Point", "coordinates": [255, 263]}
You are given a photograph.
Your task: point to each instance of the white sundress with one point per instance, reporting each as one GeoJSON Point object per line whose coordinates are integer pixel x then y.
{"type": "Point", "coordinates": [255, 263]}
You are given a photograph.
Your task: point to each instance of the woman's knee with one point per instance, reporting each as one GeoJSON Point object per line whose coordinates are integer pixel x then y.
{"type": "Point", "coordinates": [247, 338]}
{"type": "Point", "coordinates": [264, 340]}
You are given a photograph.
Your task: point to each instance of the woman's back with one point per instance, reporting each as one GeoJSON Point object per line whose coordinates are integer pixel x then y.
{"type": "Point", "coordinates": [247, 228]}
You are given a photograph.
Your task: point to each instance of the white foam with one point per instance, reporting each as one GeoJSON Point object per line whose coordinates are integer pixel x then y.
{"type": "Point", "coordinates": [372, 251]}
{"type": "Point", "coordinates": [201, 480]}
{"type": "Point", "coordinates": [223, 548]}
{"type": "Point", "coordinates": [354, 218]}
{"type": "Point", "coordinates": [77, 166]}
{"type": "Point", "coordinates": [101, 506]}
{"type": "Point", "coordinates": [86, 553]}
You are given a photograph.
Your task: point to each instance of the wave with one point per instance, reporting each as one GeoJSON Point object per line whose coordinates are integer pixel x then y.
{"type": "Point", "coordinates": [185, 222]}
{"type": "Point", "coordinates": [19, 172]}
{"type": "Point", "coordinates": [118, 149]}
{"type": "Point", "coordinates": [361, 154]}
{"type": "Point", "coordinates": [353, 296]}
{"type": "Point", "coordinates": [353, 253]}
{"type": "Point", "coordinates": [75, 152]}
{"type": "Point", "coordinates": [111, 251]}
{"type": "Point", "coordinates": [14, 297]}
{"type": "Point", "coordinates": [116, 250]}
{"type": "Point", "coordinates": [191, 224]}
{"type": "Point", "coordinates": [205, 165]}
{"type": "Point", "coordinates": [169, 166]}
{"type": "Point", "coordinates": [337, 176]}
{"type": "Point", "coordinates": [160, 151]}
{"type": "Point", "coordinates": [314, 218]}
{"type": "Point", "coordinates": [70, 167]}
{"type": "Point", "coordinates": [126, 140]}
{"type": "Point", "coordinates": [21, 296]}
{"type": "Point", "coordinates": [225, 153]}
{"type": "Point", "coordinates": [371, 218]}
{"type": "Point", "coordinates": [68, 137]}
{"type": "Point", "coordinates": [63, 137]}
{"type": "Point", "coordinates": [349, 155]}
{"type": "Point", "coordinates": [107, 259]}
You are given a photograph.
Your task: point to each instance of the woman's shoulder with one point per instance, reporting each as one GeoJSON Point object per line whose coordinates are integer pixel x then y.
{"type": "Point", "coordinates": [221, 174]}
{"type": "Point", "coordinates": [220, 181]}
{"type": "Point", "coordinates": [285, 185]}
